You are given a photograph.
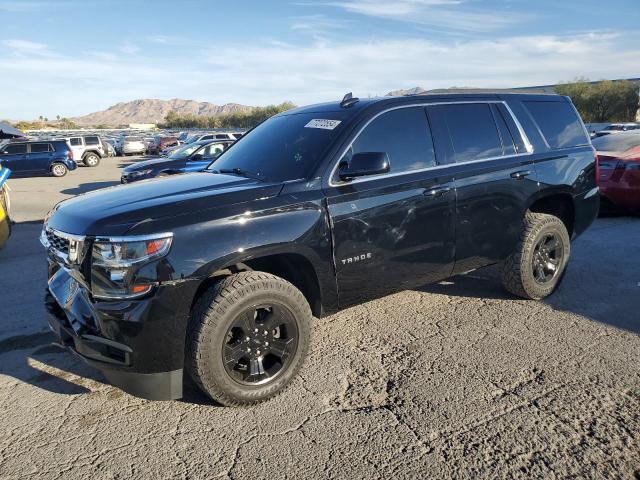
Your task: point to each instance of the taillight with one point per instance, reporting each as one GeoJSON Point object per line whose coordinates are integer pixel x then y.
{"type": "Point", "coordinates": [595, 153]}
{"type": "Point", "coordinates": [70, 154]}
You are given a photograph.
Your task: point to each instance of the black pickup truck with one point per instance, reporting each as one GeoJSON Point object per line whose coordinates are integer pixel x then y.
{"type": "Point", "coordinates": [218, 273]}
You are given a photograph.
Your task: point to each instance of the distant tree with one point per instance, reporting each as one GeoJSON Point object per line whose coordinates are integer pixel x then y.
{"type": "Point", "coordinates": [248, 119]}
{"type": "Point", "coordinates": [67, 124]}
{"type": "Point", "coordinates": [58, 117]}
{"type": "Point", "coordinates": [40, 118]}
{"type": "Point", "coordinates": [604, 101]}
{"type": "Point", "coordinates": [46, 119]}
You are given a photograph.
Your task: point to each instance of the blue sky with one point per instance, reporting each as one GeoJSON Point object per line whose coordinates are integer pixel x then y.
{"type": "Point", "coordinates": [71, 57]}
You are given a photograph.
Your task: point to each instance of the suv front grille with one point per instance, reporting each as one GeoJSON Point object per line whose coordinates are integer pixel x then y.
{"type": "Point", "coordinates": [57, 242]}
{"type": "Point", "coordinates": [68, 249]}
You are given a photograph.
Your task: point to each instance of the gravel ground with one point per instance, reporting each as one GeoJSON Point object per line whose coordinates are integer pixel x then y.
{"type": "Point", "coordinates": [453, 380]}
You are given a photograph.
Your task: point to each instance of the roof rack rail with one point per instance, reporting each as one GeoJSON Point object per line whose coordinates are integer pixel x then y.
{"type": "Point", "coordinates": [349, 100]}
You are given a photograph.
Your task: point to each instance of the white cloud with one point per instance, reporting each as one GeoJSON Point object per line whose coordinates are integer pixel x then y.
{"type": "Point", "coordinates": [27, 47]}
{"type": "Point", "coordinates": [129, 48]}
{"type": "Point", "coordinates": [271, 72]}
{"type": "Point", "coordinates": [437, 14]}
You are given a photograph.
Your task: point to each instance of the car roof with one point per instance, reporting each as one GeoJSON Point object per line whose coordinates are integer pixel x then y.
{"type": "Point", "coordinates": [364, 103]}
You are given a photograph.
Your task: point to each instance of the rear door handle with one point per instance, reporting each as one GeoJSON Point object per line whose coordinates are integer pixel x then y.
{"type": "Point", "coordinates": [436, 191]}
{"type": "Point", "coordinates": [521, 174]}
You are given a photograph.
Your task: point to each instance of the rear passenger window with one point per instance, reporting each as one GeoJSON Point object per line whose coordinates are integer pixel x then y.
{"type": "Point", "coordinates": [403, 134]}
{"type": "Point", "coordinates": [40, 147]}
{"type": "Point", "coordinates": [76, 142]}
{"type": "Point", "coordinates": [472, 130]}
{"type": "Point", "coordinates": [558, 123]}
{"type": "Point", "coordinates": [91, 140]}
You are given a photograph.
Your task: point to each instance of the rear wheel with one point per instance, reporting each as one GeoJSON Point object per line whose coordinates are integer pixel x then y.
{"type": "Point", "coordinates": [248, 337]}
{"type": "Point", "coordinates": [91, 160]}
{"type": "Point", "coordinates": [537, 265]}
{"type": "Point", "coordinates": [59, 169]}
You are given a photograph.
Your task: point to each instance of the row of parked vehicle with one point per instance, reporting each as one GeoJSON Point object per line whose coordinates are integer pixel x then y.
{"type": "Point", "coordinates": [53, 155]}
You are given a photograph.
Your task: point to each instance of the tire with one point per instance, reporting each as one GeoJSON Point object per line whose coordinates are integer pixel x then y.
{"type": "Point", "coordinates": [214, 332]}
{"type": "Point", "coordinates": [59, 169]}
{"type": "Point", "coordinates": [521, 270]}
{"type": "Point", "coordinates": [91, 160]}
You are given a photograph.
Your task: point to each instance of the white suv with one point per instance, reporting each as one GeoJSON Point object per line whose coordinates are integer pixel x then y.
{"type": "Point", "coordinates": [87, 149]}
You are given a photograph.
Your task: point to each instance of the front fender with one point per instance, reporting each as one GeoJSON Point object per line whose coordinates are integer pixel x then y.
{"type": "Point", "coordinates": [202, 246]}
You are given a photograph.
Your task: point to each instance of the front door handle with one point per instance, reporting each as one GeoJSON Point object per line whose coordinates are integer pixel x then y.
{"type": "Point", "coordinates": [436, 191]}
{"type": "Point", "coordinates": [521, 174]}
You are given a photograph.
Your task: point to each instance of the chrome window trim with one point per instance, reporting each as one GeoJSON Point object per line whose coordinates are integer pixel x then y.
{"type": "Point", "coordinates": [525, 139]}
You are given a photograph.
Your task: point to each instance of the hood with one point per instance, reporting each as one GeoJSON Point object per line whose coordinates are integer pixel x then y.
{"type": "Point", "coordinates": [114, 210]}
{"type": "Point", "coordinates": [154, 163]}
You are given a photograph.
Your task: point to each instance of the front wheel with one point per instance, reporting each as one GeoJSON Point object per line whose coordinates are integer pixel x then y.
{"type": "Point", "coordinates": [59, 169]}
{"type": "Point", "coordinates": [537, 265]}
{"type": "Point", "coordinates": [248, 337]}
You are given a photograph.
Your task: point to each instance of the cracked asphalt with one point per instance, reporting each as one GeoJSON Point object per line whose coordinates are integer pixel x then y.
{"type": "Point", "coordinates": [453, 380]}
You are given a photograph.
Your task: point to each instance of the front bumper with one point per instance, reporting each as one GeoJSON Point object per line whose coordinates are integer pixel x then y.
{"type": "Point", "coordinates": [138, 344]}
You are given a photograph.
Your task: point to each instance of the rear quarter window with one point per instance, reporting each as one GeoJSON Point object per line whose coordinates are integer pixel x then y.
{"type": "Point", "coordinates": [91, 140]}
{"type": "Point", "coordinates": [558, 122]}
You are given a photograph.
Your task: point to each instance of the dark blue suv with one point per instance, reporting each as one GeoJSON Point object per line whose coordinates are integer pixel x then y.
{"type": "Point", "coordinates": [38, 158]}
{"type": "Point", "coordinates": [192, 157]}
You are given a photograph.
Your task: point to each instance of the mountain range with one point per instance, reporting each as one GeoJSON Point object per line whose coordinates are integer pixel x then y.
{"type": "Point", "coordinates": [154, 111]}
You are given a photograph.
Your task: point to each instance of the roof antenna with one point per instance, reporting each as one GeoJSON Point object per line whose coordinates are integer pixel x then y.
{"type": "Point", "coordinates": [349, 100]}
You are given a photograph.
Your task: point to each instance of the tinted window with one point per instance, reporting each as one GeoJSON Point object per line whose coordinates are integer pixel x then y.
{"type": "Point", "coordinates": [403, 134]}
{"type": "Point", "coordinates": [507, 141]}
{"type": "Point", "coordinates": [558, 123]}
{"type": "Point", "coordinates": [472, 130]}
{"type": "Point", "coordinates": [513, 129]}
{"type": "Point", "coordinates": [75, 141]}
{"type": "Point", "coordinates": [16, 149]}
{"type": "Point", "coordinates": [91, 140]}
{"type": "Point", "coordinates": [40, 147]}
{"type": "Point", "coordinates": [206, 137]}
{"type": "Point", "coordinates": [285, 147]}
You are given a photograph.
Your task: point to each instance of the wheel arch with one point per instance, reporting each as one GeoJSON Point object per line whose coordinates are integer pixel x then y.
{"type": "Point", "coordinates": [292, 267]}
{"type": "Point", "coordinates": [558, 204]}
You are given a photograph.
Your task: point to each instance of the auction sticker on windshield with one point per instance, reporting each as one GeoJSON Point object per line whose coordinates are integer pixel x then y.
{"type": "Point", "coordinates": [322, 123]}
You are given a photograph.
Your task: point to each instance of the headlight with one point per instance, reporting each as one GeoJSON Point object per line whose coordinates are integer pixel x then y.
{"type": "Point", "coordinates": [117, 264]}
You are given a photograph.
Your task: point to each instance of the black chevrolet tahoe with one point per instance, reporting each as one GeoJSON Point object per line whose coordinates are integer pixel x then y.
{"type": "Point", "coordinates": [217, 274]}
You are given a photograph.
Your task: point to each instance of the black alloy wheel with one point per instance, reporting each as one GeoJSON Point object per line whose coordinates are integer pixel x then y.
{"type": "Point", "coordinates": [547, 258]}
{"type": "Point", "coordinates": [260, 344]}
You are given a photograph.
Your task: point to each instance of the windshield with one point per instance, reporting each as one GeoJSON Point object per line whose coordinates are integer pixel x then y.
{"type": "Point", "coordinates": [616, 143]}
{"type": "Point", "coordinates": [282, 148]}
{"type": "Point", "coordinates": [183, 152]}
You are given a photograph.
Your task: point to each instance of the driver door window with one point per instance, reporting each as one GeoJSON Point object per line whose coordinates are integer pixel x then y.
{"type": "Point", "coordinates": [405, 136]}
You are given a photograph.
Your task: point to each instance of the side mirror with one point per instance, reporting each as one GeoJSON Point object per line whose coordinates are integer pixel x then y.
{"type": "Point", "coordinates": [198, 157]}
{"type": "Point", "coordinates": [363, 164]}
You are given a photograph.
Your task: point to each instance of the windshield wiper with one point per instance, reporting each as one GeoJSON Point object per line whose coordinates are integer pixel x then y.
{"type": "Point", "coordinates": [240, 172]}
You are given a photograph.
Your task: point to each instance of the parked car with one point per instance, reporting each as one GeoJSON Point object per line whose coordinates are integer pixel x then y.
{"type": "Point", "coordinates": [87, 149]}
{"type": "Point", "coordinates": [5, 207]}
{"type": "Point", "coordinates": [34, 158]}
{"type": "Point", "coordinates": [189, 158]}
{"type": "Point", "coordinates": [200, 137]}
{"type": "Point", "coordinates": [617, 128]}
{"type": "Point", "coordinates": [132, 145]}
{"type": "Point", "coordinates": [319, 208]}
{"type": "Point", "coordinates": [160, 143]}
{"type": "Point", "coordinates": [619, 170]}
